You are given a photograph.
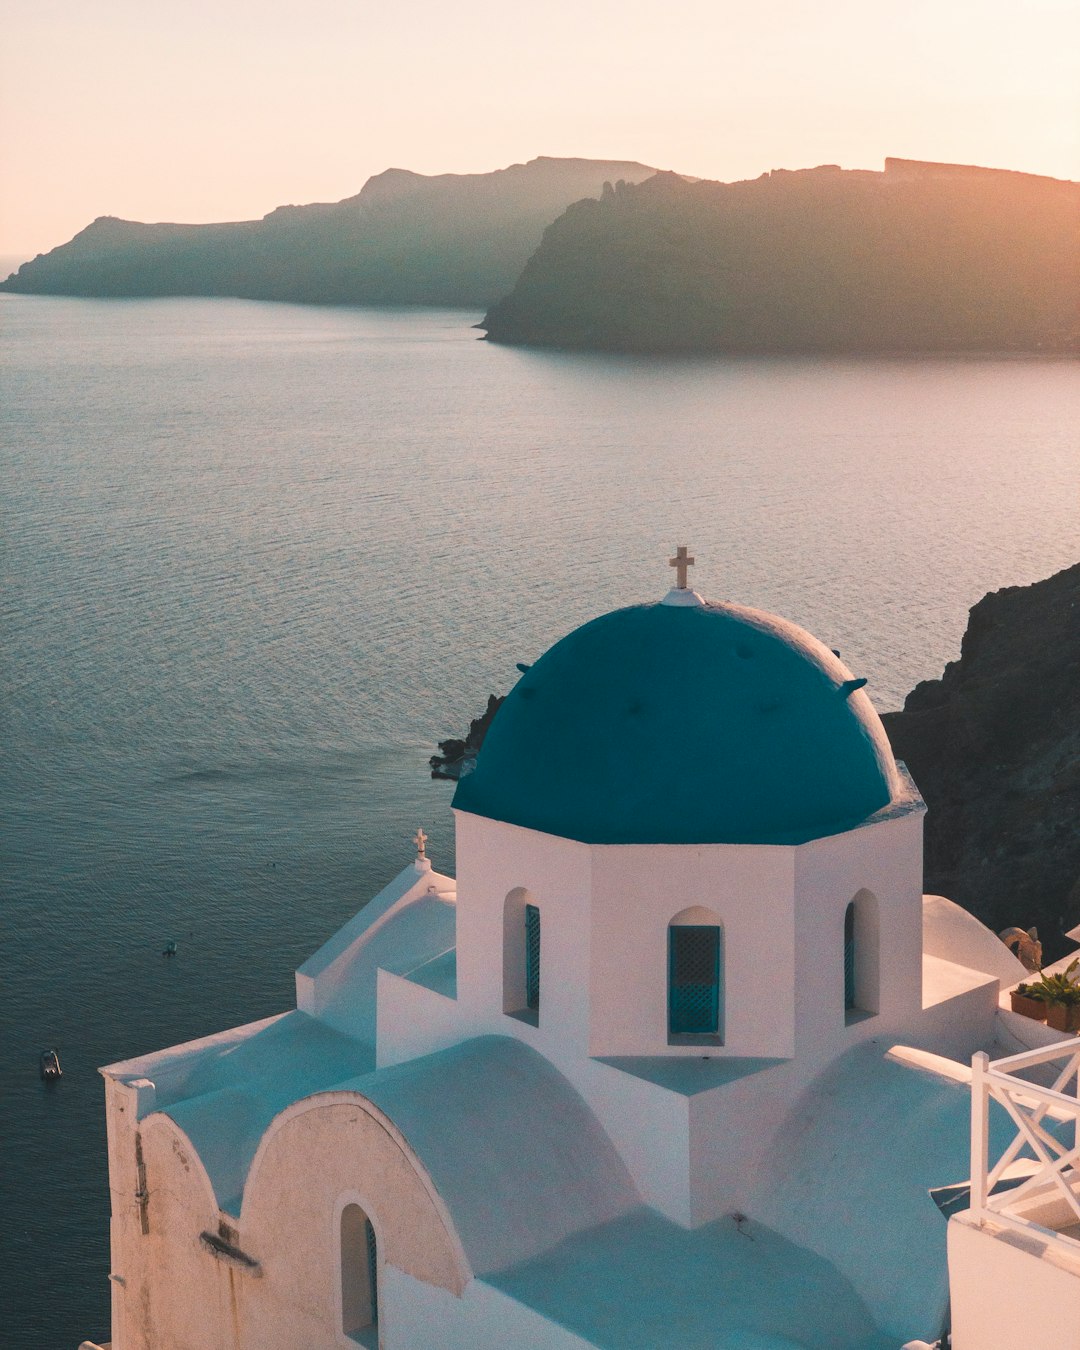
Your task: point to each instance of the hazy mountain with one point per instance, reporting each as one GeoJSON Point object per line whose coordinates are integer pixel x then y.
{"type": "Point", "coordinates": [922, 257]}
{"type": "Point", "coordinates": [454, 239]}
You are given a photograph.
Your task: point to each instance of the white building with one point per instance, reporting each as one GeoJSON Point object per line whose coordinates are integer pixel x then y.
{"type": "Point", "coordinates": [675, 1061]}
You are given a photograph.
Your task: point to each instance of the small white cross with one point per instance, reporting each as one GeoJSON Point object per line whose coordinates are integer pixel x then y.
{"type": "Point", "coordinates": [681, 562]}
{"type": "Point", "coordinates": [420, 840]}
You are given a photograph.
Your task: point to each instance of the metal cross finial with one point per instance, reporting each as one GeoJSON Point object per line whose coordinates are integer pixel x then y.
{"type": "Point", "coordinates": [681, 562]}
{"type": "Point", "coordinates": [420, 840]}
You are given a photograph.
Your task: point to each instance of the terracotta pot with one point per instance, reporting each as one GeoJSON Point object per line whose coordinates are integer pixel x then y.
{"type": "Point", "coordinates": [1063, 1016]}
{"type": "Point", "coordinates": [1034, 1008]}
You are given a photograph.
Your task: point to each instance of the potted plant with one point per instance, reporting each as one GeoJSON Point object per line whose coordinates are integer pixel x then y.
{"type": "Point", "coordinates": [1061, 995]}
{"type": "Point", "coordinates": [1028, 1003]}
{"type": "Point", "coordinates": [1063, 1013]}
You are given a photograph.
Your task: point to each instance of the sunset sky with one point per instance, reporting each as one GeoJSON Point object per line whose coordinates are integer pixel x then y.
{"type": "Point", "coordinates": [195, 110]}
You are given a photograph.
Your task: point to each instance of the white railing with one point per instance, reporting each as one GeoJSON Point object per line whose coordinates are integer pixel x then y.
{"type": "Point", "coordinates": [1041, 1167]}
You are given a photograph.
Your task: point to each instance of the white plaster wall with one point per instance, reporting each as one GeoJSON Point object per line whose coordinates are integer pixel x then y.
{"type": "Point", "coordinates": [955, 935]}
{"type": "Point", "coordinates": [1010, 1292]}
{"type": "Point", "coordinates": [175, 1295]}
{"type": "Point", "coordinates": [605, 912]}
{"type": "Point", "coordinates": [963, 1017]}
{"type": "Point", "coordinates": [326, 1151]}
{"type": "Point", "coordinates": [584, 964]}
{"type": "Point", "coordinates": [420, 1317]}
{"type": "Point", "coordinates": [637, 890]}
{"type": "Point", "coordinates": [732, 1130]}
{"type": "Point", "coordinates": [493, 859]}
{"type": "Point", "coordinates": [885, 858]}
{"type": "Point", "coordinates": [414, 1020]}
{"type": "Point", "coordinates": [650, 1126]}
{"type": "Point", "coordinates": [337, 983]}
{"type": "Point", "coordinates": [128, 1291]}
{"type": "Point", "coordinates": [179, 1295]}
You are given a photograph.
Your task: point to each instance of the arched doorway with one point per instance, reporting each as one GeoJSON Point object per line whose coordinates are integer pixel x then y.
{"type": "Point", "coordinates": [359, 1277]}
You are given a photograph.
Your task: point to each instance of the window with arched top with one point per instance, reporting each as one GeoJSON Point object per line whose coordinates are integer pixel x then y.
{"type": "Point", "coordinates": [696, 978]}
{"type": "Point", "coordinates": [521, 956]}
{"type": "Point", "coordinates": [359, 1277]}
{"type": "Point", "coordinates": [861, 957]}
{"type": "Point", "coordinates": [532, 958]}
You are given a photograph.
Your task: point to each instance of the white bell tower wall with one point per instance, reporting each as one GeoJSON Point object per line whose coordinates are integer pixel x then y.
{"type": "Point", "coordinates": [502, 869]}
{"type": "Point", "coordinates": [637, 891]}
{"type": "Point", "coordinates": [877, 871]}
{"type": "Point", "coordinates": [602, 1015]}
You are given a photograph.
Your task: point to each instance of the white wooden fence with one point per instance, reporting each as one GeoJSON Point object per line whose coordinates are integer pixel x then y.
{"type": "Point", "coordinates": [1040, 1169]}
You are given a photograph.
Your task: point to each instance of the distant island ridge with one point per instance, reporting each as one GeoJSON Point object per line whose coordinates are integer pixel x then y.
{"type": "Point", "coordinates": [454, 240]}
{"type": "Point", "coordinates": [614, 255]}
{"type": "Point", "coordinates": [922, 257]}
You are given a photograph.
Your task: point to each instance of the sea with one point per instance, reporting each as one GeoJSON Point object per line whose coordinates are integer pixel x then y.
{"type": "Point", "coordinates": [259, 559]}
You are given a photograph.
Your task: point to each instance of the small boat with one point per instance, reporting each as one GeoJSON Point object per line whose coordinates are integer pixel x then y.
{"type": "Point", "coordinates": [170, 949]}
{"type": "Point", "coordinates": [49, 1065]}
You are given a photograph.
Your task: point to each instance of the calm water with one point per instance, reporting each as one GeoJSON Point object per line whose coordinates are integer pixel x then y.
{"type": "Point", "coordinates": [258, 559]}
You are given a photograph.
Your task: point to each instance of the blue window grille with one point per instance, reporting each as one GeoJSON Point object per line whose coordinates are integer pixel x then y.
{"type": "Point", "coordinates": [532, 958]}
{"type": "Point", "coordinates": [849, 957]}
{"type": "Point", "coordinates": [373, 1269]}
{"type": "Point", "coordinates": [695, 961]}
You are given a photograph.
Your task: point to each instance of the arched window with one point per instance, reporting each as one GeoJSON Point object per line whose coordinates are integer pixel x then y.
{"type": "Point", "coordinates": [696, 977]}
{"type": "Point", "coordinates": [861, 960]}
{"type": "Point", "coordinates": [849, 957]}
{"type": "Point", "coordinates": [521, 956]}
{"type": "Point", "coordinates": [359, 1277]}
{"type": "Point", "coordinates": [532, 958]}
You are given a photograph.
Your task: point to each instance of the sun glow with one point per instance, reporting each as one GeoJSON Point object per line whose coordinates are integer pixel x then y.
{"type": "Point", "coordinates": [198, 111]}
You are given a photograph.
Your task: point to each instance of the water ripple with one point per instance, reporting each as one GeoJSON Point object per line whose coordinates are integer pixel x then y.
{"type": "Point", "coordinates": [258, 558]}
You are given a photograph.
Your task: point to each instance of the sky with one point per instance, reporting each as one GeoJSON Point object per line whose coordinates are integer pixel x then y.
{"type": "Point", "coordinates": [198, 110]}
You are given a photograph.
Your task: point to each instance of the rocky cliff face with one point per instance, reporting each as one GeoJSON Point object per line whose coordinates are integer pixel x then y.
{"type": "Point", "coordinates": [918, 258]}
{"type": "Point", "coordinates": [994, 746]}
{"type": "Point", "coordinates": [404, 239]}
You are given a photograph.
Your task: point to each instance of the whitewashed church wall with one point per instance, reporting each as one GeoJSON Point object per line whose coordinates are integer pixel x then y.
{"type": "Point", "coordinates": [494, 859]}
{"type": "Point", "coordinates": [326, 971]}
{"type": "Point", "coordinates": [964, 1021]}
{"type": "Point", "coordinates": [885, 859]}
{"type": "Point", "coordinates": [954, 934]}
{"type": "Point", "coordinates": [649, 1125]}
{"type": "Point", "coordinates": [313, 1154]}
{"type": "Point", "coordinates": [175, 1294]}
{"type": "Point", "coordinates": [732, 1130]}
{"type": "Point", "coordinates": [414, 1021]}
{"type": "Point", "coordinates": [179, 1294]}
{"type": "Point", "coordinates": [418, 1315]}
{"type": "Point", "coordinates": [128, 1257]}
{"type": "Point", "coordinates": [637, 891]}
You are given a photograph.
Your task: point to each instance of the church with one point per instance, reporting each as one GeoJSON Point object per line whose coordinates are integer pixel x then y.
{"type": "Point", "coordinates": [682, 1057]}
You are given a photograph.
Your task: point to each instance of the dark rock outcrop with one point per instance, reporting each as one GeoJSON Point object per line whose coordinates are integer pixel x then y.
{"type": "Point", "coordinates": [405, 239]}
{"type": "Point", "coordinates": [994, 747]}
{"type": "Point", "coordinates": [457, 757]}
{"type": "Point", "coordinates": [922, 257]}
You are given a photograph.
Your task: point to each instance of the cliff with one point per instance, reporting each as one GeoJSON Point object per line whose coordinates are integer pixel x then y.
{"type": "Point", "coordinates": [922, 257]}
{"type": "Point", "coordinates": [994, 746]}
{"type": "Point", "coordinates": [404, 239]}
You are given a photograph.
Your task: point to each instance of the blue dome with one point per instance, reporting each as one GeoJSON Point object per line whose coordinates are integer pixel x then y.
{"type": "Point", "coordinates": [695, 723]}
